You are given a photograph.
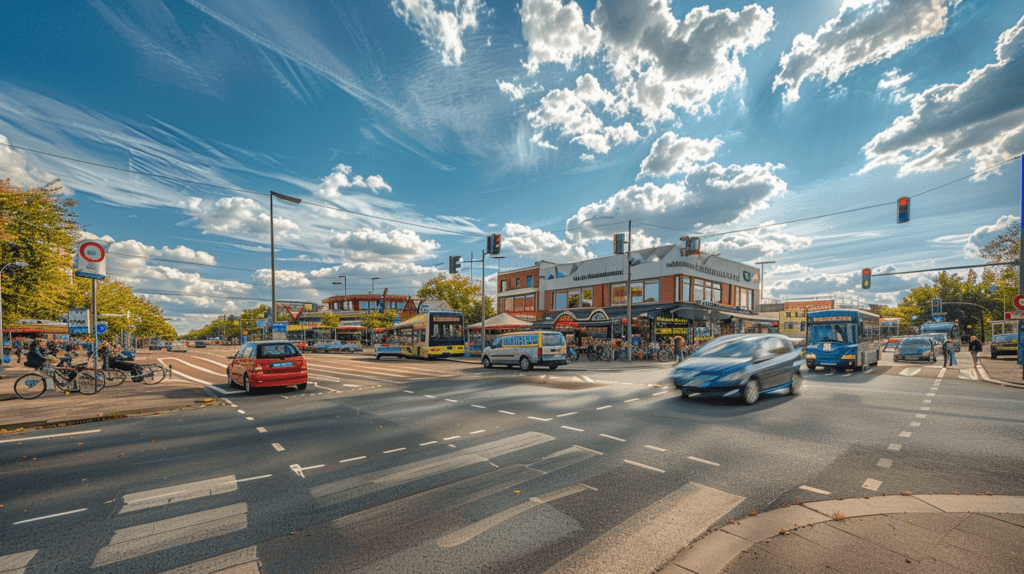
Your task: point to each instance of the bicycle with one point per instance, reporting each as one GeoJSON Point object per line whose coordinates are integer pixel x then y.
{"type": "Point", "coordinates": [66, 378]}
{"type": "Point", "coordinates": [572, 355]}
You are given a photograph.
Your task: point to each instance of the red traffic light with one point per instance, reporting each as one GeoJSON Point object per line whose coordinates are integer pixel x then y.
{"type": "Point", "coordinates": [904, 201]}
{"type": "Point", "coordinates": [865, 272]}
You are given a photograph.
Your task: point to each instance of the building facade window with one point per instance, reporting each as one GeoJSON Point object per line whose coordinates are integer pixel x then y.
{"type": "Point", "coordinates": [685, 286]}
{"type": "Point", "coordinates": [573, 299]}
{"type": "Point", "coordinates": [529, 280]}
{"type": "Point", "coordinates": [517, 282]}
{"type": "Point", "coordinates": [560, 300]}
{"type": "Point", "coordinates": [504, 284]}
{"type": "Point", "coordinates": [587, 299]}
{"type": "Point", "coordinates": [618, 293]}
{"type": "Point", "coordinates": [652, 291]}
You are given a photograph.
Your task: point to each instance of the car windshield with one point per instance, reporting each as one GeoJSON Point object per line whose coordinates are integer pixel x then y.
{"type": "Point", "coordinates": [277, 351]}
{"type": "Point", "coordinates": [915, 343]}
{"type": "Point", "coordinates": [552, 339]}
{"type": "Point", "coordinates": [830, 333]}
{"type": "Point", "coordinates": [1004, 338]}
{"type": "Point", "coordinates": [729, 348]}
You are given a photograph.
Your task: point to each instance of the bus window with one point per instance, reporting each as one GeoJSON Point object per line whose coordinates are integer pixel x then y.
{"type": "Point", "coordinates": [829, 334]}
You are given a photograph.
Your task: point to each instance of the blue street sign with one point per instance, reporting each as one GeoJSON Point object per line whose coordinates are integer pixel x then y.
{"type": "Point", "coordinates": [280, 328]}
{"type": "Point", "coordinates": [79, 330]}
{"type": "Point", "coordinates": [101, 328]}
{"type": "Point", "coordinates": [1020, 342]}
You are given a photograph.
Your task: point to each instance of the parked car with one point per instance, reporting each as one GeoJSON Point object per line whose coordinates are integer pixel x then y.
{"type": "Point", "coordinates": [743, 366]}
{"type": "Point", "coordinates": [177, 346]}
{"type": "Point", "coordinates": [268, 364]}
{"type": "Point", "coordinates": [158, 346]}
{"type": "Point", "coordinates": [336, 347]}
{"type": "Point", "coordinates": [199, 344]}
{"type": "Point", "coordinates": [1005, 344]}
{"type": "Point", "coordinates": [917, 349]}
{"type": "Point", "coordinates": [527, 349]}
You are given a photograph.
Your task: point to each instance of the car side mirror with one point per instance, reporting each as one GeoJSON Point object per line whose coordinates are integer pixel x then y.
{"type": "Point", "coordinates": [761, 356]}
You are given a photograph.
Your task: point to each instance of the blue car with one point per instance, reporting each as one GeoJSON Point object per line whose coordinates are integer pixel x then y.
{"type": "Point", "coordinates": [917, 349]}
{"type": "Point", "coordinates": [743, 366]}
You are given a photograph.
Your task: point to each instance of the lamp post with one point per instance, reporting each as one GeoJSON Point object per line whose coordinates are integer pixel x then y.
{"type": "Point", "coordinates": [497, 282]}
{"type": "Point", "coordinates": [372, 279]}
{"type": "Point", "coordinates": [2, 269]}
{"type": "Point", "coordinates": [761, 284]}
{"type": "Point", "coordinates": [273, 279]}
{"type": "Point", "coordinates": [344, 281]}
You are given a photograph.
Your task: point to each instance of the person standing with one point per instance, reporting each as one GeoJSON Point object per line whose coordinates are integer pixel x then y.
{"type": "Point", "coordinates": [974, 347]}
{"type": "Point", "coordinates": [17, 350]}
{"type": "Point", "coordinates": [951, 351]}
{"type": "Point", "coordinates": [946, 345]}
{"type": "Point", "coordinates": [677, 342]}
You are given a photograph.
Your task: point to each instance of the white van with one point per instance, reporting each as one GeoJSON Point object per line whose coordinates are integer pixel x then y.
{"type": "Point", "coordinates": [176, 346]}
{"type": "Point", "coordinates": [544, 348]}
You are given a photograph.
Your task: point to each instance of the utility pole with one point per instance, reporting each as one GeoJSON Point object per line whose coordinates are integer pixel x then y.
{"type": "Point", "coordinates": [483, 302]}
{"type": "Point", "coordinates": [629, 293]}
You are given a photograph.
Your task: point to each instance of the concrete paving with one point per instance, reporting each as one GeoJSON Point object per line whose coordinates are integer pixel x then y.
{"type": "Point", "coordinates": [927, 533]}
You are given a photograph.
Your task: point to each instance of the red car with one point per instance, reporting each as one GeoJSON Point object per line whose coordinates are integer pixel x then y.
{"type": "Point", "coordinates": [267, 364]}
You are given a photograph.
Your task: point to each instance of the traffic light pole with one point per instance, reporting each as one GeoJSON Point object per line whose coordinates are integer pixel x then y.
{"type": "Point", "coordinates": [629, 294]}
{"type": "Point", "coordinates": [483, 303]}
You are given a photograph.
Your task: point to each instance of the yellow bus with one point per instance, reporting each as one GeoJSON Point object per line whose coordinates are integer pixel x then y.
{"type": "Point", "coordinates": [432, 335]}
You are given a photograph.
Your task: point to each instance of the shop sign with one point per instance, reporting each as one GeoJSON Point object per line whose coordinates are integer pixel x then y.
{"type": "Point", "coordinates": [566, 323]}
{"type": "Point", "coordinates": [809, 305]}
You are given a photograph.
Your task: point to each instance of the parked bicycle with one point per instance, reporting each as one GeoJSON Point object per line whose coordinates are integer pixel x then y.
{"type": "Point", "coordinates": [67, 379]}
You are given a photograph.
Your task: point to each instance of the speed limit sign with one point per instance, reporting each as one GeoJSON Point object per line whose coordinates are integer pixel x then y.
{"type": "Point", "coordinates": [1018, 302]}
{"type": "Point", "coordinates": [91, 260]}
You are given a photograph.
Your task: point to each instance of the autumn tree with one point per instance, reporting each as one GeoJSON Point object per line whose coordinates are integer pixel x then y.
{"type": "Point", "coordinates": [380, 320]}
{"type": "Point", "coordinates": [459, 293]}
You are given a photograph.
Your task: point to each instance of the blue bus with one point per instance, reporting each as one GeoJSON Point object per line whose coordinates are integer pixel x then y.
{"type": "Point", "coordinates": [842, 339]}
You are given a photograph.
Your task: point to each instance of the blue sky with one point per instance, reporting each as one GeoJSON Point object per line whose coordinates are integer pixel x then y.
{"type": "Point", "coordinates": [413, 128]}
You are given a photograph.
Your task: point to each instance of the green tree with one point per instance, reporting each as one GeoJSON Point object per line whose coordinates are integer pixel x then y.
{"type": "Point", "coordinates": [329, 322]}
{"type": "Point", "coordinates": [459, 293]}
{"type": "Point", "coordinates": [249, 317]}
{"type": "Point", "coordinates": [378, 320]}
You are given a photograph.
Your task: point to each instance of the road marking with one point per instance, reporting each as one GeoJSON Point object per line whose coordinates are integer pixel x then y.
{"type": "Point", "coordinates": [642, 465]}
{"type": "Point", "coordinates": [915, 424]}
{"type": "Point", "coordinates": [884, 462]}
{"type": "Point", "coordinates": [261, 429]}
{"type": "Point", "coordinates": [451, 400]}
{"type": "Point", "coordinates": [657, 448]}
{"type": "Point", "coordinates": [277, 447]}
{"type": "Point", "coordinates": [51, 516]}
{"type": "Point", "coordinates": [942, 372]}
{"type": "Point", "coordinates": [538, 419]}
{"type": "Point", "coordinates": [565, 414]}
{"type": "Point", "coordinates": [926, 401]}
{"type": "Point", "coordinates": [815, 490]}
{"type": "Point", "coordinates": [589, 450]}
{"type": "Point", "coordinates": [905, 434]}
{"type": "Point", "coordinates": [572, 428]}
{"type": "Point", "coordinates": [845, 374]}
{"type": "Point", "coordinates": [930, 394]}
{"type": "Point", "coordinates": [178, 493]}
{"type": "Point", "coordinates": [427, 443]}
{"type": "Point", "coordinates": [910, 371]}
{"type": "Point", "coordinates": [244, 561]}
{"type": "Point", "coordinates": [410, 392]}
{"type": "Point", "coordinates": [430, 396]}
{"type": "Point", "coordinates": [452, 437]}
{"type": "Point", "coordinates": [358, 386]}
{"type": "Point", "coordinates": [630, 400]}
{"type": "Point", "coordinates": [353, 459]}
{"type": "Point", "coordinates": [659, 393]}
{"type": "Point", "coordinates": [613, 437]}
{"type": "Point", "coordinates": [50, 436]}
{"type": "Point", "coordinates": [492, 464]}
{"type": "Point", "coordinates": [478, 431]}
{"type": "Point", "coordinates": [506, 413]}
{"type": "Point", "coordinates": [253, 478]}
{"type": "Point", "coordinates": [299, 470]}
{"type": "Point", "coordinates": [871, 484]}
{"type": "Point", "coordinates": [396, 450]}
{"type": "Point", "coordinates": [586, 378]}
{"type": "Point", "coordinates": [920, 416]}
{"type": "Point", "coordinates": [704, 461]}
{"type": "Point", "coordinates": [604, 407]}
{"type": "Point", "coordinates": [934, 389]}
{"type": "Point", "coordinates": [16, 563]}
{"type": "Point", "coordinates": [135, 541]}
{"type": "Point", "coordinates": [478, 406]}
{"type": "Point", "coordinates": [895, 447]}
{"type": "Point", "coordinates": [249, 419]}
{"type": "Point", "coordinates": [241, 412]}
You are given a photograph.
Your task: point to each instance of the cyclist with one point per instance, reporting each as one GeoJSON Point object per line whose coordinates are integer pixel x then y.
{"type": "Point", "coordinates": [36, 357]}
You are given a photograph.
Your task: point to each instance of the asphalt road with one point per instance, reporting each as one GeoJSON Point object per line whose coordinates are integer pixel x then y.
{"type": "Point", "coordinates": [401, 466]}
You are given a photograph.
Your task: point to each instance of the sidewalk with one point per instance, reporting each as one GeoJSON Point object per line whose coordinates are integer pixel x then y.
{"type": "Point", "coordinates": [1004, 370]}
{"type": "Point", "coordinates": [53, 408]}
{"type": "Point", "coordinates": [584, 364]}
{"type": "Point", "coordinates": [928, 533]}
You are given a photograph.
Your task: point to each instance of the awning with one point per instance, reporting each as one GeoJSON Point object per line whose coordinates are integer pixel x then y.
{"type": "Point", "coordinates": [502, 321]}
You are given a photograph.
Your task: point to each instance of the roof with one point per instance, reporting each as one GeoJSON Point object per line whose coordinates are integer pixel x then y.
{"type": "Point", "coordinates": [503, 321]}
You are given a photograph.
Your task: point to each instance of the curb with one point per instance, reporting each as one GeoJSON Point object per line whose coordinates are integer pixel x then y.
{"type": "Point", "coordinates": [11, 428]}
{"type": "Point", "coordinates": [716, 550]}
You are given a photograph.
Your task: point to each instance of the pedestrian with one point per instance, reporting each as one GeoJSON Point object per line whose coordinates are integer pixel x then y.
{"type": "Point", "coordinates": [946, 345]}
{"type": "Point", "coordinates": [974, 348]}
{"type": "Point", "coordinates": [677, 343]}
{"type": "Point", "coordinates": [951, 351]}
{"type": "Point", "coordinates": [17, 350]}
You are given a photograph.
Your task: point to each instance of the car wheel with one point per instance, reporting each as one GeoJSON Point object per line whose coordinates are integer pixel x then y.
{"type": "Point", "coordinates": [525, 364]}
{"type": "Point", "coordinates": [245, 383]}
{"type": "Point", "coordinates": [302, 387]}
{"type": "Point", "coordinates": [796, 383]}
{"type": "Point", "coordinates": [231, 382]}
{"type": "Point", "coordinates": [487, 363]}
{"type": "Point", "coordinates": [993, 357]}
{"type": "Point", "coordinates": [751, 391]}
{"type": "Point", "coordinates": [552, 367]}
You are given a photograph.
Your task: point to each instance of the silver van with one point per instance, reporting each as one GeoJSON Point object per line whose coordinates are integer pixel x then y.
{"type": "Point", "coordinates": [526, 349]}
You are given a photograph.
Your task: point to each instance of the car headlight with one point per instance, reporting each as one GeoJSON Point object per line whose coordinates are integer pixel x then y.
{"type": "Point", "coordinates": [849, 357]}
{"type": "Point", "coordinates": [738, 375]}
{"type": "Point", "coordinates": [811, 356]}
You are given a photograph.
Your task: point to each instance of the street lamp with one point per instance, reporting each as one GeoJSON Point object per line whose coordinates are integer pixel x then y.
{"type": "Point", "coordinates": [344, 281]}
{"type": "Point", "coordinates": [372, 279]}
{"type": "Point", "coordinates": [273, 279]}
{"type": "Point", "coordinates": [2, 269]}
{"type": "Point", "coordinates": [761, 284]}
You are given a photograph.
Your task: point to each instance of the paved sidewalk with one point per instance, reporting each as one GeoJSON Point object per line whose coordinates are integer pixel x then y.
{"type": "Point", "coordinates": [941, 533]}
{"type": "Point", "coordinates": [1004, 371]}
{"type": "Point", "coordinates": [54, 408]}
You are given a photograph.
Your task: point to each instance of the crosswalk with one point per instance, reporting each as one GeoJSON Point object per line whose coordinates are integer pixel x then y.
{"type": "Point", "coordinates": [470, 509]}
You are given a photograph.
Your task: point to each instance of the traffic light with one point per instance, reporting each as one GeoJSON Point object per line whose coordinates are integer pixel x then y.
{"type": "Point", "coordinates": [903, 210]}
{"type": "Point", "coordinates": [494, 244]}
{"type": "Point", "coordinates": [693, 246]}
{"type": "Point", "coordinates": [865, 278]}
{"type": "Point", "coordinates": [619, 243]}
{"type": "Point", "coordinates": [454, 263]}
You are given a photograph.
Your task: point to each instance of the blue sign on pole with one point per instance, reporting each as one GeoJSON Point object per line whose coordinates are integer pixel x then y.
{"type": "Point", "coordinates": [1020, 342]}
{"type": "Point", "coordinates": [101, 328]}
{"type": "Point", "coordinates": [280, 328]}
{"type": "Point", "coordinates": [936, 306]}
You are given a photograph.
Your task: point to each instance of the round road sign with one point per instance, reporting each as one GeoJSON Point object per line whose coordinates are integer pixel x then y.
{"type": "Point", "coordinates": [92, 252]}
{"type": "Point", "coordinates": [1018, 302]}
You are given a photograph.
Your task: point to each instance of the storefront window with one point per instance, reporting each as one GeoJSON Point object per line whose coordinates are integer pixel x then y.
{"type": "Point", "coordinates": [684, 289]}
{"type": "Point", "coordinates": [638, 292]}
{"type": "Point", "coordinates": [618, 294]}
{"type": "Point", "coordinates": [699, 291]}
{"type": "Point", "coordinates": [560, 300]}
{"type": "Point", "coordinates": [573, 299]}
{"type": "Point", "coordinates": [652, 291]}
{"type": "Point", "coordinates": [529, 306]}
{"type": "Point", "coordinates": [588, 297]}
{"type": "Point", "coordinates": [716, 292]}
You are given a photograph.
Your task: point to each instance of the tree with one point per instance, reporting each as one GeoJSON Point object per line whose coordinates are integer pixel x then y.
{"type": "Point", "coordinates": [380, 320]}
{"type": "Point", "coordinates": [459, 293]}
{"type": "Point", "coordinates": [330, 322]}
{"type": "Point", "coordinates": [250, 316]}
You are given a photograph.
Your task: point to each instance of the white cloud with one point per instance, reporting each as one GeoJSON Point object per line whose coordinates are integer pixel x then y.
{"type": "Point", "coordinates": [988, 112]}
{"type": "Point", "coordinates": [238, 217]}
{"type": "Point", "coordinates": [14, 166]}
{"type": "Point", "coordinates": [662, 63]}
{"type": "Point", "coordinates": [370, 244]}
{"type": "Point", "coordinates": [341, 178]}
{"type": "Point", "coordinates": [569, 112]}
{"type": "Point", "coordinates": [282, 278]}
{"type": "Point", "coordinates": [986, 233]}
{"type": "Point", "coordinates": [863, 33]}
{"type": "Point", "coordinates": [672, 154]}
{"type": "Point", "coordinates": [893, 80]}
{"type": "Point", "coordinates": [555, 32]}
{"type": "Point", "coordinates": [757, 243]}
{"type": "Point", "coordinates": [539, 244]}
{"type": "Point", "coordinates": [441, 30]}
{"type": "Point", "coordinates": [513, 91]}
{"type": "Point", "coordinates": [709, 195]}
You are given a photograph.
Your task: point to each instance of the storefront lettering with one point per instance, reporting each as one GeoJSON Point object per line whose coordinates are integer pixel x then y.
{"type": "Point", "coordinates": [703, 269]}
{"type": "Point", "coordinates": [590, 276]}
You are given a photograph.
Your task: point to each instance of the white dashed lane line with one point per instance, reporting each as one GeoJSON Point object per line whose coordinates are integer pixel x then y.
{"type": "Point", "coordinates": [604, 407]}
{"type": "Point", "coordinates": [572, 428]}
{"type": "Point", "coordinates": [634, 463]}
{"type": "Point", "coordinates": [478, 432]}
{"type": "Point", "coordinates": [657, 448]}
{"type": "Point", "coordinates": [351, 459]}
{"type": "Point", "coordinates": [452, 437]}
{"type": "Point", "coordinates": [393, 450]}
{"type": "Point", "coordinates": [613, 437]}
{"type": "Point", "coordinates": [885, 462]}
{"type": "Point", "coordinates": [51, 516]}
{"type": "Point", "coordinates": [451, 400]}
{"type": "Point", "coordinates": [905, 434]}
{"type": "Point", "coordinates": [565, 415]}
{"type": "Point", "coordinates": [895, 447]}
{"type": "Point", "coordinates": [428, 443]}
{"type": "Point", "coordinates": [815, 490]}
{"type": "Point", "coordinates": [703, 461]}
{"type": "Point", "coordinates": [478, 406]}
{"type": "Point", "coordinates": [539, 419]}
{"type": "Point", "coordinates": [630, 400]}
{"type": "Point", "coordinates": [506, 413]}
{"type": "Point", "coordinates": [277, 447]}
{"type": "Point", "coordinates": [261, 429]}
{"type": "Point", "coordinates": [659, 393]}
{"type": "Point", "coordinates": [410, 392]}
